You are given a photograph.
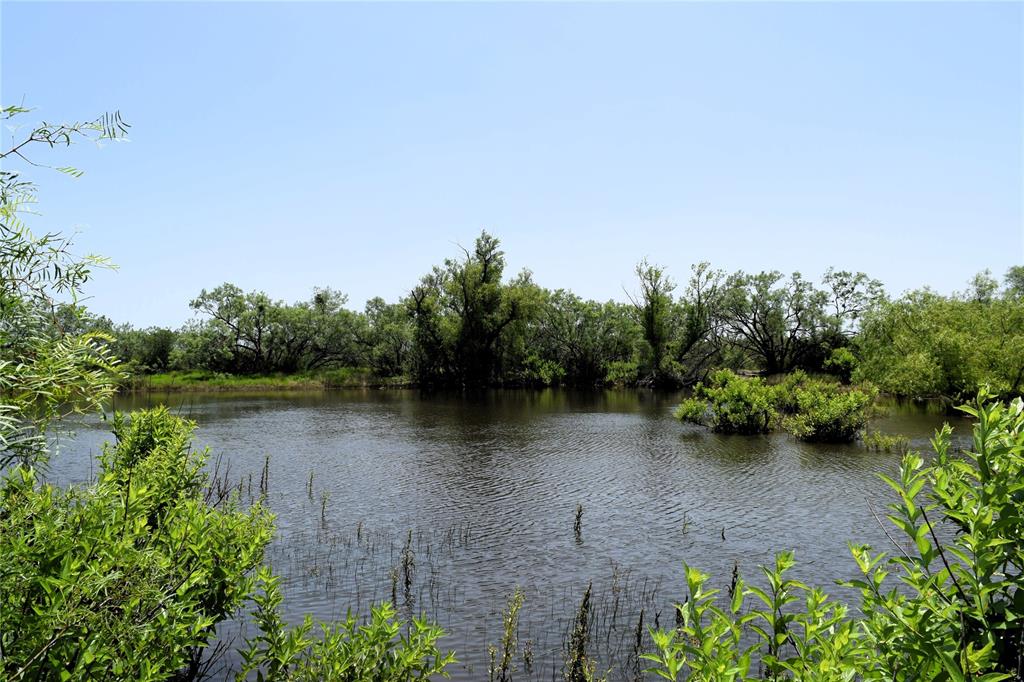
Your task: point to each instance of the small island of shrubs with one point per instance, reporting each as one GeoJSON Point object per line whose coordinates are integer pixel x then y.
{"type": "Point", "coordinates": [812, 409]}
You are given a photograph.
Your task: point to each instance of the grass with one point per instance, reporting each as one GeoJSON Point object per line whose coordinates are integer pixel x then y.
{"type": "Point", "coordinates": [202, 380]}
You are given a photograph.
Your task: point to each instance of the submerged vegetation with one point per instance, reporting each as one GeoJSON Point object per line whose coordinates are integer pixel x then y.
{"type": "Point", "coordinates": [885, 442]}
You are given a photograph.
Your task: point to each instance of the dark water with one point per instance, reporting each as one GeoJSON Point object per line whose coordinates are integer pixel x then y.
{"type": "Point", "coordinates": [488, 485]}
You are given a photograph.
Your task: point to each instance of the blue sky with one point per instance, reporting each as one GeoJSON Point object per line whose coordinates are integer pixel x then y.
{"type": "Point", "coordinates": [284, 146]}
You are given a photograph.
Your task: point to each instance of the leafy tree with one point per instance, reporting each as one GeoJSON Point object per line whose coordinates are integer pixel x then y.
{"type": "Point", "coordinates": [584, 338]}
{"type": "Point", "coordinates": [698, 343]}
{"type": "Point", "coordinates": [925, 344]}
{"type": "Point", "coordinates": [462, 312]}
{"type": "Point", "coordinates": [653, 310]}
{"type": "Point", "coordinates": [1015, 282]}
{"type": "Point", "coordinates": [784, 324]}
{"type": "Point", "coordinates": [386, 337]}
{"type": "Point", "coordinates": [252, 334]}
{"type": "Point", "coordinates": [47, 367]}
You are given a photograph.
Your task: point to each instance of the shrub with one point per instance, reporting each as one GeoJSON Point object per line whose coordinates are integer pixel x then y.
{"type": "Point", "coordinates": [841, 362]}
{"type": "Point", "coordinates": [731, 404]}
{"type": "Point", "coordinates": [828, 414]}
{"type": "Point", "coordinates": [127, 578]}
{"type": "Point", "coordinates": [884, 442]}
{"type": "Point", "coordinates": [784, 391]}
{"type": "Point", "coordinates": [376, 651]}
{"type": "Point", "coordinates": [623, 372]}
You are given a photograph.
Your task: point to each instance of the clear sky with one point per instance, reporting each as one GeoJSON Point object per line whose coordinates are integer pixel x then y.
{"type": "Point", "coordinates": [283, 146]}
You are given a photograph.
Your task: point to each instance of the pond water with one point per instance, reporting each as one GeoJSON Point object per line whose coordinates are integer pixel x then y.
{"type": "Point", "coordinates": [484, 490]}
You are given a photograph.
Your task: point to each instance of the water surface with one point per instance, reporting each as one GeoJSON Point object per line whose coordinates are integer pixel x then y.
{"type": "Point", "coordinates": [488, 485]}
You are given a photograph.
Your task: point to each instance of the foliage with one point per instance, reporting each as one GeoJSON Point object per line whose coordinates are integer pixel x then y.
{"type": "Point", "coordinates": [128, 577]}
{"type": "Point", "coordinates": [465, 317]}
{"type": "Point", "coordinates": [46, 369]}
{"type": "Point", "coordinates": [590, 341]}
{"type": "Point", "coordinates": [810, 409]}
{"type": "Point", "coordinates": [652, 309]}
{"type": "Point", "coordinates": [385, 335]}
{"type": "Point", "coordinates": [697, 344]}
{"type": "Point", "coordinates": [841, 362]}
{"type": "Point", "coordinates": [349, 651]}
{"type": "Point", "coordinates": [579, 666]}
{"type": "Point", "coordinates": [928, 345]}
{"type": "Point", "coordinates": [885, 442]}
{"type": "Point", "coordinates": [828, 414]}
{"type": "Point", "coordinates": [784, 324]}
{"type": "Point", "coordinates": [731, 404]}
{"type": "Point", "coordinates": [956, 612]}
{"type": "Point", "coordinates": [501, 668]}
{"type": "Point", "coordinates": [248, 333]}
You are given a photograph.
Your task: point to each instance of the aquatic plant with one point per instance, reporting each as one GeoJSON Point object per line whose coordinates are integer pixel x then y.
{"type": "Point", "coordinates": [349, 651]}
{"type": "Point", "coordinates": [885, 442]}
{"type": "Point", "coordinates": [829, 413]}
{"type": "Point", "coordinates": [728, 403]}
{"type": "Point", "coordinates": [502, 672]}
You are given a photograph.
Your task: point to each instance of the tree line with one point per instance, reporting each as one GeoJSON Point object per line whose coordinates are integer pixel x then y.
{"type": "Point", "coordinates": [465, 324]}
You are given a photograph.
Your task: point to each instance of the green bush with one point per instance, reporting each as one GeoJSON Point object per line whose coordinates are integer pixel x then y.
{"type": "Point", "coordinates": [731, 404]}
{"type": "Point", "coordinates": [376, 651]}
{"type": "Point", "coordinates": [623, 372]}
{"type": "Point", "coordinates": [784, 392]}
{"type": "Point", "coordinates": [809, 408]}
{"type": "Point", "coordinates": [841, 362]}
{"type": "Point", "coordinates": [884, 442]}
{"type": "Point", "coordinates": [829, 414]}
{"type": "Point", "coordinates": [127, 578]}
{"type": "Point", "coordinates": [955, 612]}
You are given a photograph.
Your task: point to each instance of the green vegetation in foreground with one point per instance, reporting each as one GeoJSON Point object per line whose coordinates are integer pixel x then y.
{"type": "Point", "coordinates": [199, 380]}
{"type": "Point", "coordinates": [811, 409]}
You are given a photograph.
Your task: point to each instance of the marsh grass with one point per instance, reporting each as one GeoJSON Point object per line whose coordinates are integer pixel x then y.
{"type": "Point", "coordinates": [204, 380]}
{"type": "Point", "coordinates": [885, 442]}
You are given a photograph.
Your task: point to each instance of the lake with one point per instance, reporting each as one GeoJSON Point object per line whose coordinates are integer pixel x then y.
{"type": "Point", "coordinates": [479, 494]}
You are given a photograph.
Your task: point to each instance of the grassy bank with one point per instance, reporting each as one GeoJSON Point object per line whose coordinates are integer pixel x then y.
{"type": "Point", "coordinates": [348, 377]}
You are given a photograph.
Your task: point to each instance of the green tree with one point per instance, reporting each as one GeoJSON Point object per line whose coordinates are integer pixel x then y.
{"type": "Point", "coordinates": [1014, 280]}
{"type": "Point", "coordinates": [386, 337]}
{"type": "Point", "coordinates": [463, 314]}
{"type": "Point", "coordinates": [783, 324]}
{"type": "Point", "coordinates": [697, 346]}
{"type": "Point", "coordinates": [251, 333]}
{"type": "Point", "coordinates": [925, 344]}
{"type": "Point", "coordinates": [583, 338]}
{"type": "Point", "coordinates": [653, 308]}
{"type": "Point", "coordinates": [48, 367]}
